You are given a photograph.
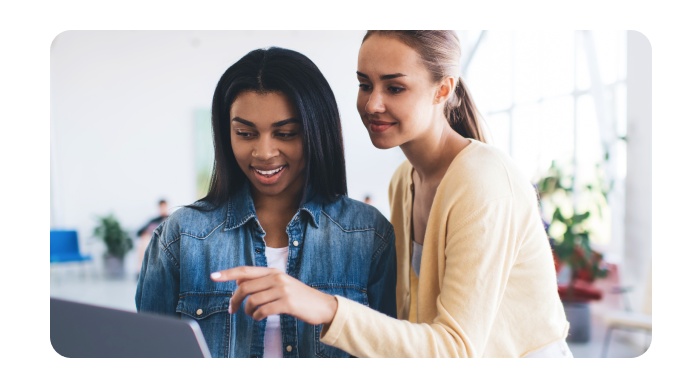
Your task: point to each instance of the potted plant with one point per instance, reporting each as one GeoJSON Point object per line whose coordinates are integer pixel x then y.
{"type": "Point", "coordinates": [569, 234]}
{"type": "Point", "coordinates": [117, 241]}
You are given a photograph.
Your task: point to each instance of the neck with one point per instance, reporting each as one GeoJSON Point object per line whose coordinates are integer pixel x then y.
{"type": "Point", "coordinates": [433, 151]}
{"type": "Point", "coordinates": [285, 202]}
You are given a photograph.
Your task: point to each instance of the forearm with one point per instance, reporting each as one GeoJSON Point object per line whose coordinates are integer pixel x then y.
{"type": "Point", "coordinates": [364, 332]}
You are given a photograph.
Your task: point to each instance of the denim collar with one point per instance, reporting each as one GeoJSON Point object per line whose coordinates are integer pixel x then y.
{"type": "Point", "coordinates": [241, 209]}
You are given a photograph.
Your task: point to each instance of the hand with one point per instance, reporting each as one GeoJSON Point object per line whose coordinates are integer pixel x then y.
{"type": "Point", "coordinates": [271, 291]}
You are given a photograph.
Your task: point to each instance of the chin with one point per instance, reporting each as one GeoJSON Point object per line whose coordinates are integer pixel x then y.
{"type": "Point", "coordinates": [382, 143]}
{"type": "Point", "coordinates": [272, 190]}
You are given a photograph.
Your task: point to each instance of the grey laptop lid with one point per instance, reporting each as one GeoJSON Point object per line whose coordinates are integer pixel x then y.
{"type": "Point", "coordinates": [87, 331]}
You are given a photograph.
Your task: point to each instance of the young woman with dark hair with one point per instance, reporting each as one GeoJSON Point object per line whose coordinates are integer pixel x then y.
{"type": "Point", "coordinates": [475, 270]}
{"type": "Point", "coordinates": [277, 200]}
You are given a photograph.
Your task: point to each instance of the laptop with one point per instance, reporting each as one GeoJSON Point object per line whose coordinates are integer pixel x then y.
{"type": "Point", "coordinates": [88, 331]}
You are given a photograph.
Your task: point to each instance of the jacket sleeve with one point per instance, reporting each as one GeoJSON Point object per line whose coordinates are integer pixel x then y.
{"type": "Point", "coordinates": [382, 277]}
{"type": "Point", "coordinates": [478, 259]}
{"type": "Point", "coordinates": [159, 283]}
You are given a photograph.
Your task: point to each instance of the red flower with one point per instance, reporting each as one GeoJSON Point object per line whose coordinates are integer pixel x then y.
{"type": "Point", "coordinates": [584, 274]}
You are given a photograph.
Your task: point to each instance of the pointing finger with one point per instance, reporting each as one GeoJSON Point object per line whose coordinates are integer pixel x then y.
{"type": "Point", "coordinates": [237, 273]}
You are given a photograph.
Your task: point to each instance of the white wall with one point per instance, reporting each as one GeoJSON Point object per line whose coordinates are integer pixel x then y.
{"type": "Point", "coordinates": [639, 195]}
{"type": "Point", "coordinates": [122, 117]}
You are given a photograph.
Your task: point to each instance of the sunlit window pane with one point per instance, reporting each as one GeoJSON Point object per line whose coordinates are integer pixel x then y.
{"type": "Point", "coordinates": [527, 66]}
{"type": "Point", "coordinates": [620, 103]}
{"type": "Point", "coordinates": [582, 74]}
{"type": "Point", "coordinates": [467, 38]}
{"type": "Point", "coordinates": [543, 65]}
{"type": "Point", "coordinates": [611, 55]}
{"type": "Point", "coordinates": [489, 73]}
{"type": "Point", "coordinates": [526, 144]}
{"type": "Point", "coordinates": [557, 63]}
{"type": "Point", "coordinates": [557, 134]}
{"type": "Point", "coordinates": [589, 149]}
{"type": "Point", "coordinates": [498, 125]}
{"type": "Point", "coordinates": [542, 133]}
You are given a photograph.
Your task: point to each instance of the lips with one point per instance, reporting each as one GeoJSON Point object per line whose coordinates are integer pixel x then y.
{"type": "Point", "coordinates": [268, 175]}
{"type": "Point", "coordinates": [378, 126]}
{"type": "Point", "coordinates": [268, 172]}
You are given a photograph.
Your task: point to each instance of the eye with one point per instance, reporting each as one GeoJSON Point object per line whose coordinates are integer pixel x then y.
{"type": "Point", "coordinates": [244, 134]}
{"type": "Point", "coordinates": [395, 89]}
{"type": "Point", "coordinates": [286, 135]}
{"type": "Point", "coordinates": [364, 87]}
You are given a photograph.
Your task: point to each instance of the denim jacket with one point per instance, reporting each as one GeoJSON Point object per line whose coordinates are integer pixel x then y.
{"type": "Point", "coordinates": [344, 248]}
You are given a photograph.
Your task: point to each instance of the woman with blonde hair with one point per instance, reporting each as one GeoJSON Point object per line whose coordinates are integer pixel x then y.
{"type": "Point", "coordinates": [475, 270]}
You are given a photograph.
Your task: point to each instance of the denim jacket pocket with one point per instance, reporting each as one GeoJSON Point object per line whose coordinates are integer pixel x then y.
{"type": "Point", "coordinates": [210, 310]}
{"type": "Point", "coordinates": [352, 292]}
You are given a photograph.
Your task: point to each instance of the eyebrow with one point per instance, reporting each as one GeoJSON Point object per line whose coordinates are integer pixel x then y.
{"type": "Point", "coordinates": [286, 122]}
{"type": "Point", "coordinates": [383, 77]}
{"type": "Point", "coordinates": [276, 124]}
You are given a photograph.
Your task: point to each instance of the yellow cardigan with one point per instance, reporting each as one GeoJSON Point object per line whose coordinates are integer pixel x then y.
{"type": "Point", "coordinates": [487, 285]}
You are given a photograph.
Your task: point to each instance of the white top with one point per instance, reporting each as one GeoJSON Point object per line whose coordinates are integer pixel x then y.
{"type": "Point", "coordinates": [416, 257]}
{"type": "Point", "coordinates": [557, 349]}
{"type": "Point", "coordinates": [276, 258]}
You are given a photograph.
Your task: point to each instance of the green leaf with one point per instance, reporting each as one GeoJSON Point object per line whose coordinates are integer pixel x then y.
{"type": "Point", "coordinates": [579, 218]}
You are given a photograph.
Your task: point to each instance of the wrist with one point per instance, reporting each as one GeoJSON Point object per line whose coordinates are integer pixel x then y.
{"type": "Point", "coordinates": [331, 309]}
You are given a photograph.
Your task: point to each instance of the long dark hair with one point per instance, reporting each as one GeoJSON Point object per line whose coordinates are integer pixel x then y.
{"type": "Point", "coordinates": [280, 70]}
{"type": "Point", "coordinates": [439, 52]}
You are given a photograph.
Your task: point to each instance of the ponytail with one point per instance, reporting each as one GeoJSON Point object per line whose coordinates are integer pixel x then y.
{"type": "Point", "coordinates": [462, 113]}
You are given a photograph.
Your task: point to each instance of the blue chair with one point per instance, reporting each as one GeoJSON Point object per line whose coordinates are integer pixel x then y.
{"type": "Point", "coordinates": [65, 248]}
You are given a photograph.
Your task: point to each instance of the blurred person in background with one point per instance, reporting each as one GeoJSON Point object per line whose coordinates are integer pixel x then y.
{"type": "Point", "coordinates": [145, 233]}
{"type": "Point", "coordinates": [278, 201]}
{"type": "Point", "coordinates": [476, 276]}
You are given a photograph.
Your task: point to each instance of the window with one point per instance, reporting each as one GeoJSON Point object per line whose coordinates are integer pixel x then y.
{"type": "Point", "coordinates": [556, 96]}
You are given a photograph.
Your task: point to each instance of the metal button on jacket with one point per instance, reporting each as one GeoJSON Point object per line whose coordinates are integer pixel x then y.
{"type": "Point", "coordinates": [199, 312]}
{"type": "Point", "coordinates": [296, 243]}
{"type": "Point", "coordinates": [289, 348]}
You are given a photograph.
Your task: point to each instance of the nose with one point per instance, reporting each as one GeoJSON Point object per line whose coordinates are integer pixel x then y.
{"type": "Point", "coordinates": [265, 148]}
{"type": "Point", "coordinates": [375, 103]}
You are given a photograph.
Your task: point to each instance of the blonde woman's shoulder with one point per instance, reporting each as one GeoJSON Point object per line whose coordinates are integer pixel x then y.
{"type": "Point", "coordinates": [483, 172]}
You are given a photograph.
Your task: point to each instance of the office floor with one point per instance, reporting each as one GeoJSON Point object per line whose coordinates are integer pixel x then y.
{"type": "Point", "coordinates": [86, 285]}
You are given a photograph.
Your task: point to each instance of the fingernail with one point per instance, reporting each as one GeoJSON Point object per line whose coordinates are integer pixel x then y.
{"type": "Point", "coordinates": [216, 275]}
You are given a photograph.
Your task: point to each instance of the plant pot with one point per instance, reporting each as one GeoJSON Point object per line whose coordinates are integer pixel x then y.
{"type": "Point", "coordinates": [578, 315]}
{"type": "Point", "coordinates": [113, 267]}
